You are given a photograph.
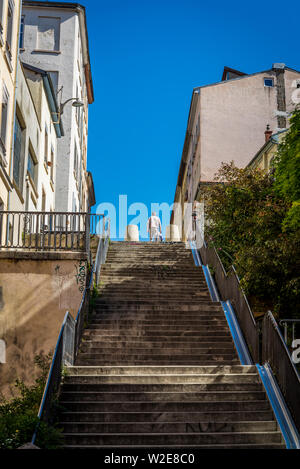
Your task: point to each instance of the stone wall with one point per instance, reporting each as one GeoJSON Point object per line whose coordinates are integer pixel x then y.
{"type": "Point", "coordinates": [36, 290]}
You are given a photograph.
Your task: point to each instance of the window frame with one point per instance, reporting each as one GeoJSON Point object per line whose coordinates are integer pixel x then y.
{"type": "Point", "coordinates": [269, 79]}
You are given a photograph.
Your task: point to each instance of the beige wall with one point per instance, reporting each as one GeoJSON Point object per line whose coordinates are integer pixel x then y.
{"type": "Point", "coordinates": [233, 116]}
{"type": "Point", "coordinates": [8, 79]}
{"type": "Point", "coordinates": [35, 295]}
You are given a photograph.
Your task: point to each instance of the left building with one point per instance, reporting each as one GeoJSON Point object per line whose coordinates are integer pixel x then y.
{"type": "Point", "coordinates": [10, 14]}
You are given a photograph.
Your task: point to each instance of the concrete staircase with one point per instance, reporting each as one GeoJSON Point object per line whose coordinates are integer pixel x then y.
{"type": "Point", "coordinates": [157, 366]}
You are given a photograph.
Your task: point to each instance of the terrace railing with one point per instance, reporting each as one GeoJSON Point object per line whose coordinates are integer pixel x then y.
{"type": "Point", "coordinates": [48, 231]}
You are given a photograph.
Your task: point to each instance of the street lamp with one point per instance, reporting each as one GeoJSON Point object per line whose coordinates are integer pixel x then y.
{"type": "Point", "coordinates": [76, 103]}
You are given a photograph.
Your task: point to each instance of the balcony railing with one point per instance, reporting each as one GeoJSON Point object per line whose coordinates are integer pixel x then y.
{"type": "Point", "coordinates": [49, 231]}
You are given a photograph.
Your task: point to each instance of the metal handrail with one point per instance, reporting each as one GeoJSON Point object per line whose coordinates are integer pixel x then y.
{"type": "Point", "coordinates": [229, 287]}
{"type": "Point", "coordinates": [264, 344]}
{"type": "Point", "coordinates": [276, 353]}
{"type": "Point", "coordinates": [59, 358]}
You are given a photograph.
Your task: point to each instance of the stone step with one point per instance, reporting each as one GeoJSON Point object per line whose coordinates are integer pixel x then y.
{"type": "Point", "coordinates": [166, 308]}
{"type": "Point", "coordinates": [215, 396]}
{"type": "Point", "coordinates": [168, 427]}
{"type": "Point", "coordinates": [156, 417]}
{"type": "Point", "coordinates": [155, 341]}
{"type": "Point", "coordinates": [130, 349]}
{"type": "Point", "coordinates": [142, 327]}
{"type": "Point", "coordinates": [140, 322]}
{"type": "Point", "coordinates": [120, 334]}
{"type": "Point", "coordinates": [159, 316]}
{"type": "Point", "coordinates": [128, 360]}
{"type": "Point", "coordinates": [71, 384]}
{"type": "Point", "coordinates": [203, 307]}
{"type": "Point", "coordinates": [166, 439]}
{"type": "Point", "coordinates": [274, 446]}
{"type": "Point", "coordinates": [165, 379]}
{"type": "Point", "coordinates": [179, 355]}
{"type": "Point", "coordinates": [179, 406]}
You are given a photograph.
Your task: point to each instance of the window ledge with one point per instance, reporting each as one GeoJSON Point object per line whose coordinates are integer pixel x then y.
{"type": "Point", "coordinates": [3, 153]}
{"type": "Point", "coordinates": [32, 183]}
{"type": "Point", "coordinates": [8, 57]}
{"type": "Point", "coordinates": [45, 51]}
{"type": "Point", "coordinates": [17, 189]}
{"type": "Point", "coordinates": [46, 167]}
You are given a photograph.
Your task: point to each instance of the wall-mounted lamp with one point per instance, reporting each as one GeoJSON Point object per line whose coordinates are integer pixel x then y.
{"type": "Point", "coordinates": [76, 103]}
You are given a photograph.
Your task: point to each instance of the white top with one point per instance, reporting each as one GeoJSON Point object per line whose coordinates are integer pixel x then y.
{"type": "Point", "coordinates": [154, 222]}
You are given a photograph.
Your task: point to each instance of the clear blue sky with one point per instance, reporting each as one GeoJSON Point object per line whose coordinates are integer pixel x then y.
{"type": "Point", "coordinates": [147, 56]}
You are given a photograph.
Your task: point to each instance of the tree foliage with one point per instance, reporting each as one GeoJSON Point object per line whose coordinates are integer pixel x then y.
{"type": "Point", "coordinates": [246, 214]}
{"type": "Point", "coordinates": [18, 417]}
{"type": "Point", "coordinates": [287, 173]}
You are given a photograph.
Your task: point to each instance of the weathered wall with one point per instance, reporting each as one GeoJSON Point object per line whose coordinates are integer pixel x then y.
{"type": "Point", "coordinates": [34, 297]}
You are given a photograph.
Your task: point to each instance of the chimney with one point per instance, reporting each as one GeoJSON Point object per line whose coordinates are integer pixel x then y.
{"type": "Point", "coordinates": [268, 133]}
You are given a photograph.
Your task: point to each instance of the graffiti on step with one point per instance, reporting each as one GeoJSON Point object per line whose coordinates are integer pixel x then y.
{"type": "Point", "coordinates": [81, 275]}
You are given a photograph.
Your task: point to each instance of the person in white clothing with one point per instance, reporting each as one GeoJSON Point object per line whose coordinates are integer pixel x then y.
{"type": "Point", "coordinates": [154, 227]}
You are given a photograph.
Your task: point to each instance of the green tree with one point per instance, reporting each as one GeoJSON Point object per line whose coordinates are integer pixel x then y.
{"type": "Point", "coordinates": [246, 215]}
{"type": "Point", "coordinates": [287, 173]}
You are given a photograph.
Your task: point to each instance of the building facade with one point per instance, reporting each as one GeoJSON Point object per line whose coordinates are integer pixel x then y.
{"type": "Point", "coordinates": [226, 123]}
{"type": "Point", "coordinates": [265, 155]}
{"type": "Point", "coordinates": [35, 142]}
{"type": "Point", "coordinates": [10, 11]}
{"type": "Point", "coordinates": [54, 38]}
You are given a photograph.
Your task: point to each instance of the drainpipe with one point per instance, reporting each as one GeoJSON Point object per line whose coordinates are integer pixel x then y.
{"type": "Point", "coordinates": [14, 118]}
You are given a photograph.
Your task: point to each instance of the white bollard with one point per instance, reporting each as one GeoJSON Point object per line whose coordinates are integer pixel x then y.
{"type": "Point", "coordinates": [172, 233]}
{"type": "Point", "coordinates": [132, 233]}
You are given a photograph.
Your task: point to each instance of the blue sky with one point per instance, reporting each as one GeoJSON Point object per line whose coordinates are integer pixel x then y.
{"type": "Point", "coordinates": [147, 56]}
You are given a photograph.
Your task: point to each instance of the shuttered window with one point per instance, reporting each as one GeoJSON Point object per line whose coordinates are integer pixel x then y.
{"type": "Point", "coordinates": [18, 163]}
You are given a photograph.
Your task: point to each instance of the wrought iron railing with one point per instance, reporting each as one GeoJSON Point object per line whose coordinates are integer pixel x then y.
{"type": "Point", "coordinates": [49, 231]}
{"type": "Point", "coordinates": [276, 353]}
{"type": "Point", "coordinates": [229, 287]}
{"type": "Point", "coordinates": [264, 339]}
{"type": "Point", "coordinates": [70, 337]}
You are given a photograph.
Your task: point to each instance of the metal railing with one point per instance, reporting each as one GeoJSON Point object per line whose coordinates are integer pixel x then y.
{"type": "Point", "coordinates": [229, 287]}
{"type": "Point", "coordinates": [276, 353]}
{"type": "Point", "coordinates": [69, 338]}
{"type": "Point", "coordinates": [264, 339]}
{"type": "Point", "coordinates": [289, 335]}
{"type": "Point", "coordinates": [49, 231]}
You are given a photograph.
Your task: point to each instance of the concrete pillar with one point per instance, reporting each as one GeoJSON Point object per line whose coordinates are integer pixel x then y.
{"type": "Point", "coordinates": [172, 233]}
{"type": "Point", "coordinates": [132, 233]}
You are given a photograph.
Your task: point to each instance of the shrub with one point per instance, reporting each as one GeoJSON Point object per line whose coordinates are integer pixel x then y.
{"type": "Point", "coordinates": [18, 417]}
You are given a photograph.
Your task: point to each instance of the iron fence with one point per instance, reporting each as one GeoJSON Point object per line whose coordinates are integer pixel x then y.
{"type": "Point", "coordinates": [276, 353]}
{"type": "Point", "coordinates": [49, 231]}
{"type": "Point", "coordinates": [229, 288]}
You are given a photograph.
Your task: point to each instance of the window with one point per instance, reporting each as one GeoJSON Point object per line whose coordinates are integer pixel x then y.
{"type": "Point", "coordinates": [43, 200]}
{"type": "Point", "coordinates": [22, 29]}
{"type": "Point", "coordinates": [1, 20]}
{"type": "Point", "coordinates": [31, 167]}
{"type": "Point", "coordinates": [46, 146]}
{"type": "Point", "coordinates": [76, 162]}
{"type": "Point", "coordinates": [18, 165]}
{"type": "Point", "coordinates": [268, 82]}
{"type": "Point", "coordinates": [48, 34]}
{"type": "Point", "coordinates": [52, 165]}
{"type": "Point", "coordinates": [10, 16]}
{"type": "Point", "coordinates": [4, 117]}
